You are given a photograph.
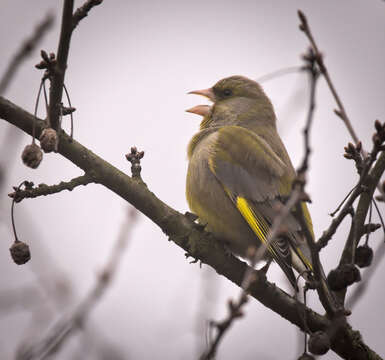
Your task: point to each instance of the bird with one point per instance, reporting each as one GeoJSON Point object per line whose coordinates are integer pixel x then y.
{"type": "Point", "coordinates": [240, 174]}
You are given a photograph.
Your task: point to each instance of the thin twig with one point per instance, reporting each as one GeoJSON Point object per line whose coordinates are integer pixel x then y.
{"type": "Point", "coordinates": [358, 189]}
{"type": "Point", "coordinates": [69, 22]}
{"type": "Point", "coordinates": [341, 112]}
{"type": "Point", "coordinates": [332, 214]}
{"type": "Point", "coordinates": [323, 292]}
{"type": "Point", "coordinates": [71, 113]}
{"type": "Point", "coordinates": [379, 215]}
{"type": "Point", "coordinates": [28, 46]}
{"type": "Point", "coordinates": [370, 172]}
{"type": "Point", "coordinates": [43, 189]}
{"type": "Point", "coordinates": [330, 231]}
{"type": "Point", "coordinates": [51, 343]}
{"type": "Point", "coordinates": [370, 180]}
{"type": "Point", "coordinates": [304, 26]}
{"type": "Point", "coordinates": [83, 11]}
{"type": "Point", "coordinates": [57, 78]}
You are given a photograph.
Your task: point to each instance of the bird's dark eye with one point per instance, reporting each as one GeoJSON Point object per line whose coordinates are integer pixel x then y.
{"type": "Point", "coordinates": [227, 92]}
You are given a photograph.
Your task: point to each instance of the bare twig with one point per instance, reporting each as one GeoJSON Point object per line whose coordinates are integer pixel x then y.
{"type": "Point", "coordinates": [347, 209]}
{"type": "Point", "coordinates": [370, 172]}
{"type": "Point", "coordinates": [363, 166]}
{"type": "Point", "coordinates": [341, 112]}
{"type": "Point", "coordinates": [333, 213]}
{"type": "Point", "coordinates": [323, 292]}
{"type": "Point", "coordinates": [68, 324]}
{"type": "Point", "coordinates": [379, 215]}
{"type": "Point", "coordinates": [83, 11]}
{"type": "Point", "coordinates": [27, 47]}
{"type": "Point", "coordinates": [69, 22]}
{"type": "Point", "coordinates": [304, 26]}
{"type": "Point", "coordinates": [43, 189]}
{"type": "Point", "coordinates": [57, 78]}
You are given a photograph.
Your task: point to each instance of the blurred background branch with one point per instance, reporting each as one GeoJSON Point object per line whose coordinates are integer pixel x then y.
{"type": "Point", "coordinates": [65, 327]}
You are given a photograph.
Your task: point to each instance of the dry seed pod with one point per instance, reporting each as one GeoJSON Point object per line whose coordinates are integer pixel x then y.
{"type": "Point", "coordinates": [363, 256]}
{"type": "Point", "coordinates": [32, 156]}
{"type": "Point", "coordinates": [20, 252]}
{"type": "Point", "coordinates": [49, 140]}
{"type": "Point", "coordinates": [319, 343]}
{"type": "Point", "coordinates": [345, 275]}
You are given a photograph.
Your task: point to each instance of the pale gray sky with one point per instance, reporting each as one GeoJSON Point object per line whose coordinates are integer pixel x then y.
{"type": "Point", "coordinates": [130, 67]}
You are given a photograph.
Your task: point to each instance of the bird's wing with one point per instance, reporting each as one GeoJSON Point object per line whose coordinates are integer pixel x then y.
{"type": "Point", "coordinates": [257, 181]}
{"type": "Point", "coordinates": [246, 164]}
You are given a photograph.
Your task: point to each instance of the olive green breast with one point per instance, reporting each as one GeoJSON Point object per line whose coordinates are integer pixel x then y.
{"type": "Point", "coordinates": [208, 200]}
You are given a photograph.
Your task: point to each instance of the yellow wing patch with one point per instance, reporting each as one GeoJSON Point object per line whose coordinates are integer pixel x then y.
{"type": "Point", "coordinates": [260, 227]}
{"type": "Point", "coordinates": [257, 224]}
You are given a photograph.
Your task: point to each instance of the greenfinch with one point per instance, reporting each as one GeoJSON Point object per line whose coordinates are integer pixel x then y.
{"type": "Point", "coordinates": [240, 175]}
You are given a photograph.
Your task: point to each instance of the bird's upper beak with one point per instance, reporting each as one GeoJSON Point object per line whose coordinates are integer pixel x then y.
{"type": "Point", "coordinates": [209, 93]}
{"type": "Point", "coordinates": [201, 110]}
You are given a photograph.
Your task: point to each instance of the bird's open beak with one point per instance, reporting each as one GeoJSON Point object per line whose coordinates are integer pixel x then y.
{"type": "Point", "coordinates": [209, 93]}
{"type": "Point", "coordinates": [201, 110]}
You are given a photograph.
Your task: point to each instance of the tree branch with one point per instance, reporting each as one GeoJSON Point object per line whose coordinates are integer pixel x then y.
{"type": "Point", "coordinates": [65, 327]}
{"type": "Point", "coordinates": [369, 183]}
{"type": "Point", "coordinates": [57, 80]}
{"type": "Point", "coordinates": [304, 26]}
{"type": "Point", "coordinates": [326, 298]}
{"type": "Point", "coordinates": [330, 231]}
{"type": "Point", "coordinates": [44, 190]}
{"type": "Point", "coordinates": [185, 233]}
{"type": "Point", "coordinates": [83, 11]}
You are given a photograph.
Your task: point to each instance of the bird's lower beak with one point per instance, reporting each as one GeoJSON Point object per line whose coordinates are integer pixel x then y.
{"type": "Point", "coordinates": [201, 110]}
{"type": "Point", "coordinates": [209, 93]}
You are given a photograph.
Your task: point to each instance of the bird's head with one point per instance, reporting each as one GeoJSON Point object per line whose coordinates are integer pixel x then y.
{"type": "Point", "coordinates": [237, 100]}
